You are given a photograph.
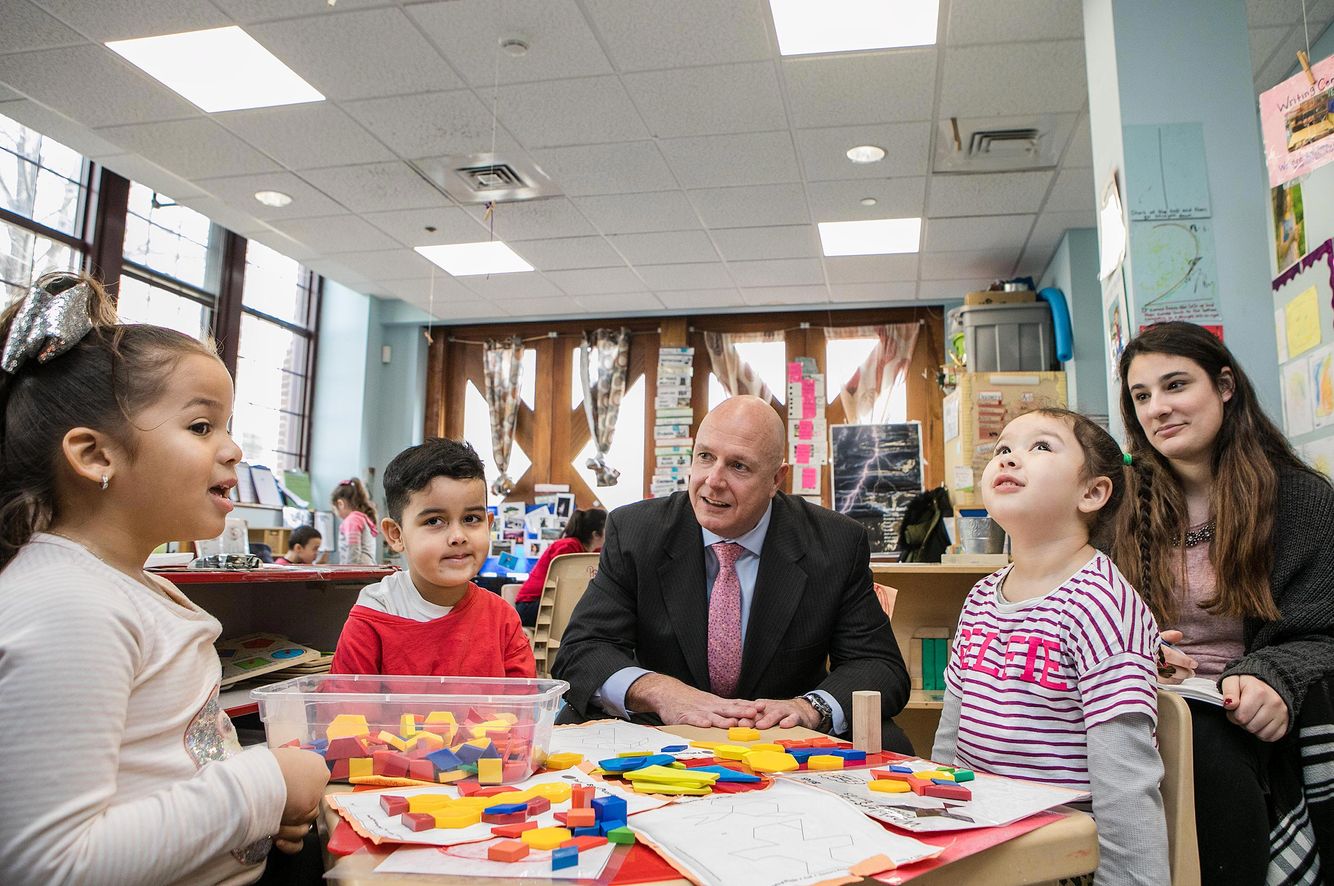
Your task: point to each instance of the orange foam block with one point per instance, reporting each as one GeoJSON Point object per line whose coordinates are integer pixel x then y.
{"type": "Point", "coordinates": [581, 818]}
{"type": "Point", "coordinates": [507, 850]}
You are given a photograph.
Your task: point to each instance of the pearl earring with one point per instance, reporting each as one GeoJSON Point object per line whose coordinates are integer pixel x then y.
{"type": "Point", "coordinates": [106, 481]}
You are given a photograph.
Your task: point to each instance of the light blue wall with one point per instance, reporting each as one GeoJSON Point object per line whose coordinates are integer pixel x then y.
{"type": "Point", "coordinates": [1074, 271]}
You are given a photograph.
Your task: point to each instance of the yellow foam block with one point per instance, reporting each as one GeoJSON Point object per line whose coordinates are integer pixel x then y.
{"type": "Point", "coordinates": [554, 791]}
{"type": "Point", "coordinates": [677, 765]}
{"type": "Point", "coordinates": [407, 725]}
{"type": "Point", "coordinates": [479, 742]}
{"type": "Point", "coordinates": [390, 781]}
{"type": "Point", "coordinates": [769, 761]}
{"type": "Point", "coordinates": [360, 766]}
{"type": "Point", "coordinates": [928, 774]}
{"type": "Point", "coordinates": [776, 748]}
{"type": "Point", "coordinates": [708, 745]}
{"type": "Point", "coordinates": [490, 770]}
{"type": "Point", "coordinates": [475, 802]}
{"type": "Point", "coordinates": [457, 817]}
{"type": "Point", "coordinates": [545, 838]}
{"type": "Point", "coordinates": [564, 761]}
{"type": "Point", "coordinates": [634, 753]}
{"type": "Point", "coordinates": [743, 733]}
{"type": "Point", "coordinates": [824, 761]}
{"type": "Point", "coordinates": [508, 717]}
{"type": "Point", "coordinates": [392, 740]}
{"type": "Point", "coordinates": [426, 738]}
{"type": "Point", "coordinates": [451, 776]}
{"type": "Point", "coordinates": [889, 786]}
{"type": "Point", "coordinates": [657, 787]}
{"type": "Point", "coordinates": [347, 726]}
{"type": "Point", "coordinates": [672, 776]}
{"type": "Point", "coordinates": [429, 802]}
{"type": "Point", "coordinates": [441, 717]}
{"type": "Point", "coordinates": [731, 752]}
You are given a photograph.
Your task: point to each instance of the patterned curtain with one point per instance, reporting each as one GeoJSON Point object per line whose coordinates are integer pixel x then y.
{"type": "Point", "coordinates": [604, 386]}
{"type": "Point", "coordinates": [735, 374]}
{"type": "Point", "coordinates": [502, 363]}
{"type": "Point", "coordinates": [882, 369]}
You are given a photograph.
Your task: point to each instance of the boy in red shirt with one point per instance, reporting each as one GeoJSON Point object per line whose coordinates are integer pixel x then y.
{"type": "Point", "coordinates": [431, 619]}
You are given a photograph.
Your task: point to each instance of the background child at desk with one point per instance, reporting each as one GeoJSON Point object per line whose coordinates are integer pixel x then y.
{"type": "Point", "coordinates": [583, 533]}
{"type": "Point", "coordinates": [431, 619]}
{"type": "Point", "coordinates": [303, 547]}
{"type": "Point", "coordinates": [120, 766]}
{"type": "Point", "coordinates": [1051, 676]}
{"type": "Point", "coordinates": [356, 531]}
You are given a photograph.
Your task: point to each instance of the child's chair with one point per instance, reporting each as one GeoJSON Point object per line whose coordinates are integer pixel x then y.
{"type": "Point", "coordinates": [1176, 748]}
{"type": "Point", "coordinates": [567, 579]}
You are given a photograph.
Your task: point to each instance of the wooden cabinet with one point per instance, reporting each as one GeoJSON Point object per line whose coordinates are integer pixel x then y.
{"type": "Point", "coordinates": [930, 595]}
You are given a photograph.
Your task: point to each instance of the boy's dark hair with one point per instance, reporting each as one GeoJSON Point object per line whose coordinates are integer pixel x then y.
{"type": "Point", "coordinates": [303, 535]}
{"type": "Point", "coordinates": [413, 469]}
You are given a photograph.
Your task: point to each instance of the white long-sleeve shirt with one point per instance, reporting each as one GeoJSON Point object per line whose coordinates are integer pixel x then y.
{"type": "Point", "coordinates": [118, 764]}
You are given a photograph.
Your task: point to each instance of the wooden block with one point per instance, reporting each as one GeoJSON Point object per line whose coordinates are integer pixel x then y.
{"type": "Point", "coordinates": [538, 805]}
{"type": "Point", "coordinates": [823, 762]}
{"type": "Point", "coordinates": [421, 769]}
{"type": "Point", "coordinates": [338, 770]}
{"type": "Point", "coordinates": [546, 838]}
{"type": "Point", "coordinates": [585, 843]}
{"type": "Point", "coordinates": [514, 830]}
{"type": "Point", "coordinates": [441, 717]}
{"type": "Point", "coordinates": [743, 733]}
{"type": "Point", "coordinates": [609, 808]}
{"type": "Point", "coordinates": [457, 817]}
{"type": "Point", "coordinates": [393, 805]}
{"type": "Point", "coordinates": [428, 802]}
{"type": "Point", "coordinates": [621, 836]}
{"type": "Point", "coordinates": [947, 791]}
{"type": "Point", "coordinates": [344, 748]}
{"type": "Point", "coordinates": [504, 817]}
{"type": "Point", "coordinates": [389, 738]}
{"type": "Point", "coordinates": [889, 786]}
{"type": "Point", "coordinates": [452, 776]}
{"type": "Point", "coordinates": [563, 761]}
{"type": "Point", "coordinates": [769, 761]}
{"type": "Point", "coordinates": [507, 850]}
{"type": "Point", "coordinates": [866, 721]}
{"type": "Point", "coordinates": [764, 746]}
{"type": "Point", "coordinates": [418, 821]}
{"type": "Point", "coordinates": [564, 857]}
{"type": "Point", "coordinates": [347, 725]}
{"type": "Point", "coordinates": [581, 796]}
{"type": "Point", "coordinates": [468, 787]}
{"type": "Point", "coordinates": [490, 771]}
{"type": "Point", "coordinates": [963, 775]}
{"type": "Point", "coordinates": [581, 818]}
{"type": "Point", "coordinates": [407, 725]}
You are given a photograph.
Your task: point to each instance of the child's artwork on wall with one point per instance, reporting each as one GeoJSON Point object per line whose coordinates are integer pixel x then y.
{"type": "Point", "coordinates": [1289, 224]}
{"type": "Point", "coordinates": [1304, 328]}
{"type": "Point", "coordinates": [1296, 122]}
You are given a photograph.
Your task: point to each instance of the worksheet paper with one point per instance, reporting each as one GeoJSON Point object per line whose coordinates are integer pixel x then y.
{"type": "Point", "coordinates": [471, 861]}
{"type": "Point", "coordinates": [604, 739]}
{"type": "Point", "coordinates": [996, 801]}
{"type": "Point", "coordinates": [784, 836]}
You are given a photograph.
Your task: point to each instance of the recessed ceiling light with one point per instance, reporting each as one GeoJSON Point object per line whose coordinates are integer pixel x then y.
{"type": "Point", "coordinates": [516, 47]}
{"type": "Point", "coordinates": [866, 154]}
{"type": "Point", "coordinates": [878, 236]}
{"type": "Point", "coordinates": [868, 201]}
{"type": "Point", "coordinates": [849, 25]}
{"type": "Point", "coordinates": [220, 69]}
{"type": "Point", "coordinates": [276, 199]}
{"type": "Point", "coordinates": [470, 259]}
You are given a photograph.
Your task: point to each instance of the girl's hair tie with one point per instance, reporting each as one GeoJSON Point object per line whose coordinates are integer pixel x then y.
{"type": "Point", "coordinates": [1127, 458]}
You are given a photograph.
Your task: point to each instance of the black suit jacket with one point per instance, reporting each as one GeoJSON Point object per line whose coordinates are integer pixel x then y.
{"type": "Point", "coordinates": [648, 607]}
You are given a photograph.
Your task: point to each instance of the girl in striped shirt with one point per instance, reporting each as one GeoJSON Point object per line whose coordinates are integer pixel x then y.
{"type": "Point", "coordinates": [1051, 674]}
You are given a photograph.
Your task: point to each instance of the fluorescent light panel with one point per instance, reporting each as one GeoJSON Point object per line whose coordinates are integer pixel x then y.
{"type": "Point", "coordinates": [879, 236]}
{"type": "Point", "coordinates": [220, 69]}
{"type": "Point", "coordinates": [471, 259]}
{"type": "Point", "coordinates": [805, 27]}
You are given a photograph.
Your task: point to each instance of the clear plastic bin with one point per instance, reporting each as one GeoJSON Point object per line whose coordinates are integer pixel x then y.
{"type": "Point", "coordinates": [516, 715]}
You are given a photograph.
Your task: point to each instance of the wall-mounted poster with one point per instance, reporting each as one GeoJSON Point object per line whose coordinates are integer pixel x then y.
{"type": "Point", "coordinates": [1297, 120]}
{"type": "Point", "coordinates": [1289, 224]}
{"type": "Point", "coordinates": [877, 469]}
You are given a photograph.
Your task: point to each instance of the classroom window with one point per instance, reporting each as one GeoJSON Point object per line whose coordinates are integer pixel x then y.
{"type": "Point", "coordinates": [273, 362]}
{"type": "Point", "coordinates": [767, 358]}
{"type": "Point", "coordinates": [843, 357]}
{"type": "Point", "coordinates": [626, 453]}
{"type": "Point", "coordinates": [25, 255]}
{"type": "Point", "coordinates": [139, 301]}
{"type": "Point", "coordinates": [173, 241]}
{"type": "Point", "coordinates": [477, 431]}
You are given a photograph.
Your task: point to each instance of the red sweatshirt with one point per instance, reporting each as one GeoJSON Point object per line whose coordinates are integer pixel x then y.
{"type": "Point", "coordinates": [537, 579]}
{"type": "Point", "coordinates": [480, 637]}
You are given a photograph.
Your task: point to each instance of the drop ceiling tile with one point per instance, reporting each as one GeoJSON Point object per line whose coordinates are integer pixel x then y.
{"type": "Point", "coordinates": [982, 21]}
{"type": "Point", "coordinates": [707, 275]}
{"type": "Point", "coordinates": [991, 194]}
{"type": "Point", "coordinates": [702, 32]}
{"type": "Point", "coordinates": [306, 136]}
{"type": "Point", "coordinates": [93, 86]}
{"type": "Point", "coordinates": [778, 272]}
{"type": "Point", "coordinates": [938, 291]}
{"type": "Point", "coordinates": [715, 161]}
{"type": "Point", "coordinates": [535, 219]}
{"type": "Point", "coordinates": [1073, 191]}
{"type": "Point", "coordinates": [841, 200]}
{"type": "Point", "coordinates": [446, 293]}
{"type": "Point", "coordinates": [500, 288]}
{"type": "Point", "coordinates": [432, 124]}
{"type": "Point", "coordinates": [370, 187]}
{"type": "Point", "coordinates": [358, 54]}
{"type": "Point", "coordinates": [971, 233]}
{"type": "Point", "coordinates": [596, 281]}
{"type": "Point", "coordinates": [468, 32]}
{"type": "Point", "coordinates": [57, 126]}
{"type": "Point", "coordinates": [195, 148]}
{"type": "Point", "coordinates": [388, 264]}
{"type": "Point", "coordinates": [786, 295]}
{"type": "Point", "coordinates": [566, 253]}
{"type": "Point", "coordinates": [638, 213]}
{"type": "Point", "coordinates": [879, 87]}
{"type": "Point", "coordinates": [691, 299]}
{"type": "Point", "coordinates": [990, 264]}
{"type": "Point", "coordinates": [123, 19]}
{"type": "Point", "coordinates": [743, 244]}
{"type": "Point", "coordinates": [614, 304]}
{"type": "Point", "coordinates": [871, 268]}
{"type": "Point", "coordinates": [666, 247]}
{"type": "Point", "coordinates": [1080, 152]}
{"type": "Point", "coordinates": [755, 206]}
{"type": "Point", "coordinates": [331, 269]}
{"type": "Point", "coordinates": [27, 27]}
{"type": "Point", "coordinates": [145, 172]}
{"type": "Point", "coordinates": [283, 244]}
{"type": "Point", "coordinates": [622, 168]}
{"type": "Point", "coordinates": [540, 308]}
{"type": "Point", "coordinates": [9, 96]}
{"type": "Point", "coordinates": [706, 101]}
{"type": "Point", "coordinates": [824, 152]}
{"type": "Point", "coordinates": [1051, 226]}
{"type": "Point", "coordinates": [873, 292]}
{"type": "Point", "coordinates": [1272, 12]}
{"type": "Point", "coordinates": [246, 11]}
{"type": "Point", "coordinates": [408, 226]}
{"type": "Point", "coordinates": [335, 233]}
{"type": "Point", "coordinates": [240, 190]}
{"type": "Point", "coordinates": [592, 110]}
{"type": "Point", "coordinates": [1014, 78]}
{"type": "Point", "coordinates": [471, 310]}
{"type": "Point", "coordinates": [1263, 43]}
{"type": "Point", "coordinates": [223, 213]}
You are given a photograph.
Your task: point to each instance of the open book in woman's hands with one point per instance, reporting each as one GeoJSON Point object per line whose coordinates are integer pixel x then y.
{"type": "Point", "coordinates": [1198, 688]}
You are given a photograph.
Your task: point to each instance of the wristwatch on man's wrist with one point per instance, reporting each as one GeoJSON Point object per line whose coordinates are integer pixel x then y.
{"type": "Point", "coordinates": [816, 700]}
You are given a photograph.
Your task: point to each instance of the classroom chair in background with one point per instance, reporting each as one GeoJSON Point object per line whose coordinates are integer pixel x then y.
{"type": "Point", "coordinates": [1176, 749]}
{"type": "Point", "coordinates": [567, 579]}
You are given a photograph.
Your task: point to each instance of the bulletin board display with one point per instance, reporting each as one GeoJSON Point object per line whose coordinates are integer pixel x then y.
{"type": "Point", "coordinates": [1304, 328]}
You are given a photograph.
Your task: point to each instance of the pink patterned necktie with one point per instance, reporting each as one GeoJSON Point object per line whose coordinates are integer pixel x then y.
{"type": "Point", "coordinates": [725, 621]}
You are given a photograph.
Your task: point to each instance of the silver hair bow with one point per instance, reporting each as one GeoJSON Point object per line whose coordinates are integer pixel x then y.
{"type": "Point", "coordinates": [49, 323]}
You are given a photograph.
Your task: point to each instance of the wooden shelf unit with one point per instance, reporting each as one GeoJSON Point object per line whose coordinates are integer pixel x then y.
{"type": "Point", "coordinates": [929, 595]}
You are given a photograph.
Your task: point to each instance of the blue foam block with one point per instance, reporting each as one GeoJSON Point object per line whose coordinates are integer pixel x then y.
{"type": "Point", "coordinates": [605, 827]}
{"type": "Point", "coordinates": [907, 770]}
{"type": "Point", "coordinates": [564, 857]}
{"type": "Point", "coordinates": [590, 831]}
{"type": "Point", "coordinates": [609, 808]}
{"type": "Point", "coordinates": [507, 808]}
{"type": "Point", "coordinates": [943, 781]}
{"type": "Point", "coordinates": [726, 774]}
{"type": "Point", "coordinates": [849, 754]}
{"type": "Point", "coordinates": [630, 764]}
{"type": "Point", "coordinates": [445, 760]}
{"type": "Point", "coordinates": [468, 753]}
{"type": "Point", "coordinates": [675, 748]}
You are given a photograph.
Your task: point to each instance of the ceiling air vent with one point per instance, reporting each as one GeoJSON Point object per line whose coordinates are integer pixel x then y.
{"type": "Point", "coordinates": [1000, 144]}
{"type": "Point", "coordinates": [1006, 141]}
{"type": "Point", "coordinates": [487, 178]}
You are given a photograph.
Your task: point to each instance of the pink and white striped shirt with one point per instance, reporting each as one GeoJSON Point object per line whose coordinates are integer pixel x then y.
{"type": "Point", "coordinates": [1034, 676]}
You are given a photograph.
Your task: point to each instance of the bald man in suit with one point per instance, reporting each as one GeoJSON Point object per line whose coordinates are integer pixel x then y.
{"type": "Point", "coordinates": [733, 603]}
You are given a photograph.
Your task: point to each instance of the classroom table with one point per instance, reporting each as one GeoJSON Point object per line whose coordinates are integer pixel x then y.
{"type": "Point", "coordinates": [1064, 848]}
